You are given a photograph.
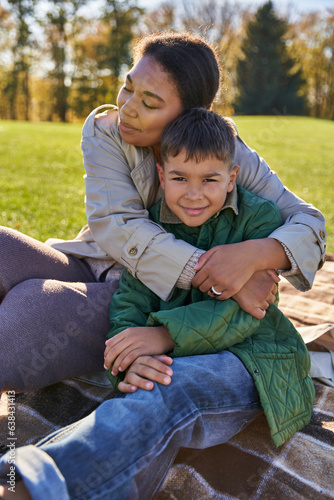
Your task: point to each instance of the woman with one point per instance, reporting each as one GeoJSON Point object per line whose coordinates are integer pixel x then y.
{"type": "Point", "coordinates": [107, 454]}
{"type": "Point", "coordinates": [55, 297]}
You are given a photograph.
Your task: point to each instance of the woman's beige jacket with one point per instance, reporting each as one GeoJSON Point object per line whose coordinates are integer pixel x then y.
{"type": "Point", "coordinates": [122, 182]}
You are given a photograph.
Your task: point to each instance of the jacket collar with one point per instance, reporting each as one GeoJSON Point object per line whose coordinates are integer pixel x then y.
{"type": "Point", "coordinates": [168, 217]}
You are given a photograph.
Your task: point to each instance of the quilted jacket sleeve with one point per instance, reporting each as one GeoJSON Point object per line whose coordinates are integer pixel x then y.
{"type": "Point", "coordinates": [126, 312]}
{"type": "Point", "coordinates": [205, 327]}
{"type": "Point", "coordinates": [131, 304]}
{"type": "Point", "coordinates": [263, 219]}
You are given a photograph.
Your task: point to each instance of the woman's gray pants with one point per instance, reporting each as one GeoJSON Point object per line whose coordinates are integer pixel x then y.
{"type": "Point", "coordinates": [53, 314]}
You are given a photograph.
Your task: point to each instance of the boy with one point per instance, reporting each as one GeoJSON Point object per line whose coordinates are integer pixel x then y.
{"type": "Point", "coordinates": [203, 206]}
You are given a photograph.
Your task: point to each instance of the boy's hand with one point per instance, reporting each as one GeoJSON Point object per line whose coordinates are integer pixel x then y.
{"type": "Point", "coordinates": [146, 370]}
{"type": "Point", "coordinates": [258, 293]}
{"type": "Point", "coordinates": [125, 347]}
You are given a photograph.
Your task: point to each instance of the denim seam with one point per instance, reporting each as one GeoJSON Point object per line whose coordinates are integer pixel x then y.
{"type": "Point", "coordinates": [61, 434]}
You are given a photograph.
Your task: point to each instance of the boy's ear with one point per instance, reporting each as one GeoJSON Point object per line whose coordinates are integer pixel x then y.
{"type": "Point", "coordinates": [161, 175]}
{"type": "Point", "coordinates": [233, 177]}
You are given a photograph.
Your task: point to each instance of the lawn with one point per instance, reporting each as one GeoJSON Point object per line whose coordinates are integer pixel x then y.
{"type": "Point", "coordinates": [41, 178]}
{"type": "Point", "coordinates": [301, 151]}
{"type": "Point", "coordinates": [42, 187]}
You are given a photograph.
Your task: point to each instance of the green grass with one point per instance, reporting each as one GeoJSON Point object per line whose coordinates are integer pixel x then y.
{"type": "Point", "coordinates": [41, 172]}
{"type": "Point", "coordinates": [301, 151]}
{"type": "Point", "coordinates": [41, 179]}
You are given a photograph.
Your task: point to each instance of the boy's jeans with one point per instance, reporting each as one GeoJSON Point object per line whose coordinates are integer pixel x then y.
{"type": "Point", "coordinates": [124, 448]}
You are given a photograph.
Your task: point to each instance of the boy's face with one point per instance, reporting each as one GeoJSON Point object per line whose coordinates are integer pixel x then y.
{"type": "Point", "coordinates": [196, 191]}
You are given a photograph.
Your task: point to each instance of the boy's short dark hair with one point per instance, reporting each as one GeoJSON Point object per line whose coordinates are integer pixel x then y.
{"type": "Point", "coordinates": [202, 134]}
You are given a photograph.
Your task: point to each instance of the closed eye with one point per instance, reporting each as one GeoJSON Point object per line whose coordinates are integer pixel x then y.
{"type": "Point", "coordinates": [149, 107]}
{"type": "Point", "coordinates": [127, 89]}
{"type": "Point", "coordinates": [210, 180]}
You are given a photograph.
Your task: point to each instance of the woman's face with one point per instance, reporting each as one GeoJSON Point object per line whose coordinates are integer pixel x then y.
{"type": "Point", "coordinates": [147, 102]}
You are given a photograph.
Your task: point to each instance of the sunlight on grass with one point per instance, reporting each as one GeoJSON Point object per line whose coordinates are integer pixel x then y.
{"type": "Point", "coordinates": [42, 187]}
{"type": "Point", "coordinates": [41, 181]}
{"type": "Point", "coordinates": [301, 151]}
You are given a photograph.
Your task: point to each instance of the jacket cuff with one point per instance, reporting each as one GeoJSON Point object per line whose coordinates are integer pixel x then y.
{"type": "Point", "coordinates": [115, 379]}
{"type": "Point", "coordinates": [303, 242]}
{"type": "Point", "coordinates": [188, 272]}
{"type": "Point", "coordinates": [294, 269]}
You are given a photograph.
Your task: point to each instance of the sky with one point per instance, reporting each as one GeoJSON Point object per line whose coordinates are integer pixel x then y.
{"type": "Point", "coordinates": [290, 9]}
{"type": "Point", "coordinates": [300, 5]}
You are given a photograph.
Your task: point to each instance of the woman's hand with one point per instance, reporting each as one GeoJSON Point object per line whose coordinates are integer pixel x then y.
{"type": "Point", "coordinates": [145, 371]}
{"type": "Point", "coordinates": [125, 347]}
{"type": "Point", "coordinates": [226, 267]}
{"type": "Point", "coordinates": [229, 267]}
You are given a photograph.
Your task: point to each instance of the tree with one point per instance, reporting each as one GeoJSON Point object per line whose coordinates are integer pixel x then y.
{"type": "Point", "coordinates": [57, 27]}
{"type": "Point", "coordinates": [18, 82]}
{"type": "Point", "coordinates": [120, 19]}
{"type": "Point", "coordinates": [100, 53]}
{"type": "Point", "coordinates": [7, 31]}
{"type": "Point", "coordinates": [312, 42]}
{"type": "Point", "coordinates": [268, 78]}
{"type": "Point", "coordinates": [162, 18]}
{"type": "Point", "coordinates": [90, 85]}
{"type": "Point", "coordinates": [221, 23]}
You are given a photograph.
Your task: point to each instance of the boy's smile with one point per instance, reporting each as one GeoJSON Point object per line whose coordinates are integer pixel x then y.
{"type": "Point", "coordinates": [196, 191]}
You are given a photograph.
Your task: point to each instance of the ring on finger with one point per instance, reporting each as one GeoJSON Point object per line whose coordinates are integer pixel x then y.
{"type": "Point", "coordinates": [214, 291]}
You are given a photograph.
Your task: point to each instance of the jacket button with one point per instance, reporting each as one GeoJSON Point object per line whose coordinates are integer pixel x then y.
{"type": "Point", "coordinates": [322, 235]}
{"type": "Point", "coordinates": [132, 251]}
{"type": "Point", "coordinates": [256, 371]}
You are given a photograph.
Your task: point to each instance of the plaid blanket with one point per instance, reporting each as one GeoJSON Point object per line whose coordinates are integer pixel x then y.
{"type": "Point", "coordinates": [248, 466]}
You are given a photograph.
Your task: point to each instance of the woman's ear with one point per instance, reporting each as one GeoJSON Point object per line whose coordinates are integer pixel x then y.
{"type": "Point", "coordinates": [233, 177]}
{"type": "Point", "coordinates": [161, 175]}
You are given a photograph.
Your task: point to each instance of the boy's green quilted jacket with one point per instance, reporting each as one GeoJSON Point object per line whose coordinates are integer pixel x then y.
{"type": "Point", "coordinates": [271, 349]}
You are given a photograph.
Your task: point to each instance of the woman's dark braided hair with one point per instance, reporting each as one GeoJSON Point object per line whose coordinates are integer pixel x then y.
{"type": "Point", "coordinates": [190, 61]}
